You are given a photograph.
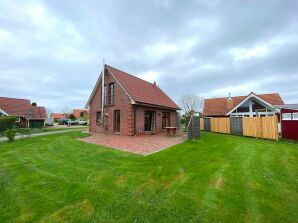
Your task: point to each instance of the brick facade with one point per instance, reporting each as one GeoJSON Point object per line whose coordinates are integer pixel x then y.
{"type": "Point", "coordinates": [132, 116]}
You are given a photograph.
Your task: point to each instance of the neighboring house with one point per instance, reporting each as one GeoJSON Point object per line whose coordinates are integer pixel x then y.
{"type": "Point", "coordinates": [27, 115]}
{"type": "Point", "coordinates": [132, 106]}
{"type": "Point", "coordinates": [57, 116]}
{"type": "Point", "coordinates": [289, 121]}
{"type": "Point", "coordinates": [239, 106]}
{"type": "Point", "coordinates": [79, 113]}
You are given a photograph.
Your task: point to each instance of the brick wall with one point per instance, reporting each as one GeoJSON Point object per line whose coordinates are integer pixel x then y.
{"type": "Point", "coordinates": [131, 116]}
{"type": "Point", "coordinates": [140, 118]}
{"type": "Point", "coordinates": [122, 102]}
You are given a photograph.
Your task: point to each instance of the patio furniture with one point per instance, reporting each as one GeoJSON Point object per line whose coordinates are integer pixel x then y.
{"type": "Point", "coordinates": [171, 131]}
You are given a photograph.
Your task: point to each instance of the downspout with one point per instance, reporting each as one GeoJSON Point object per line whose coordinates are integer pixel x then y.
{"type": "Point", "coordinates": [102, 92]}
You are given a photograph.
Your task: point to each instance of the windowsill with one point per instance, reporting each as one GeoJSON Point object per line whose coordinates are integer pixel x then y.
{"type": "Point", "coordinates": [97, 123]}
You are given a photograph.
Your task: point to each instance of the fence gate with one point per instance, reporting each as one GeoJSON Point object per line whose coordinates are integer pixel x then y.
{"type": "Point", "coordinates": [236, 126]}
{"type": "Point", "coordinates": [207, 124]}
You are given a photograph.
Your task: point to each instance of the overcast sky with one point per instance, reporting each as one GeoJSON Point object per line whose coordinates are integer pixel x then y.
{"type": "Point", "coordinates": [51, 51]}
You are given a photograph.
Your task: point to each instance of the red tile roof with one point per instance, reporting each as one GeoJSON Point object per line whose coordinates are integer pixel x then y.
{"type": "Point", "coordinates": [221, 106]}
{"type": "Point", "coordinates": [57, 115]}
{"type": "Point", "coordinates": [22, 107]}
{"type": "Point", "coordinates": [77, 112]}
{"type": "Point", "coordinates": [142, 91]}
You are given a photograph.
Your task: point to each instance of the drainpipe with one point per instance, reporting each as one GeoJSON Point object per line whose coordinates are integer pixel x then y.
{"type": "Point", "coordinates": [102, 92]}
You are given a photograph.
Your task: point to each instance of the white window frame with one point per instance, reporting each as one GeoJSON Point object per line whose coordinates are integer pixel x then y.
{"type": "Point", "coordinates": [286, 118]}
{"type": "Point", "coordinates": [18, 119]}
{"type": "Point", "coordinates": [295, 116]}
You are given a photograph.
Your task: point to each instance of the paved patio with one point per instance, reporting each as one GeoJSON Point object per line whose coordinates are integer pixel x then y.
{"type": "Point", "coordinates": [143, 145]}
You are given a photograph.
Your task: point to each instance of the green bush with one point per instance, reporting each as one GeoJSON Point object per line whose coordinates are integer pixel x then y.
{"type": "Point", "coordinates": [7, 122]}
{"type": "Point", "coordinates": [10, 134]}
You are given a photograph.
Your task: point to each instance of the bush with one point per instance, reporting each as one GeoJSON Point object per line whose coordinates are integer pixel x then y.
{"type": "Point", "coordinates": [7, 122]}
{"type": "Point", "coordinates": [10, 134]}
{"type": "Point", "coordinates": [72, 117]}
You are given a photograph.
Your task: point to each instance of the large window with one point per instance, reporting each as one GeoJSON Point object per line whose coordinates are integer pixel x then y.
{"type": "Point", "coordinates": [98, 118]}
{"type": "Point", "coordinates": [165, 119]}
{"type": "Point", "coordinates": [149, 121]}
{"type": "Point", "coordinates": [295, 116]}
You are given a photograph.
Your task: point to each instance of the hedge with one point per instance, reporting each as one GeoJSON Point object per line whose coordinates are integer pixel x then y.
{"type": "Point", "coordinates": [7, 122]}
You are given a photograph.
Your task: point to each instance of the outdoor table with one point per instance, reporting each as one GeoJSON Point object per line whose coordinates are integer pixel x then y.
{"type": "Point", "coordinates": [171, 131]}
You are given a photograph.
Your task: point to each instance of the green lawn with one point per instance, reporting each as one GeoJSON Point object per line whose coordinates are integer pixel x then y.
{"type": "Point", "coordinates": [219, 178]}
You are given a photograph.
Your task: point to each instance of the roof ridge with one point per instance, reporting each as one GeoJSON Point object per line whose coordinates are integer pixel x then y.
{"type": "Point", "coordinates": [242, 96]}
{"type": "Point", "coordinates": [25, 99]}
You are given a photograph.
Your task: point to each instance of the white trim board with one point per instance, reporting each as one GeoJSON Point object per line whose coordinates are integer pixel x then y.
{"type": "Point", "coordinates": [251, 95]}
{"type": "Point", "coordinates": [3, 112]}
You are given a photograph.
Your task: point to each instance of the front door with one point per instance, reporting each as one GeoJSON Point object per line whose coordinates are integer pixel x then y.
{"type": "Point", "coordinates": [117, 121]}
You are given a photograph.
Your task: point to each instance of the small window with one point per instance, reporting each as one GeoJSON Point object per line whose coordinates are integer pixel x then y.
{"type": "Point", "coordinates": [18, 118]}
{"type": "Point", "coordinates": [286, 116]}
{"type": "Point", "coordinates": [105, 95]}
{"type": "Point", "coordinates": [295, 116]}
{"type": "Point", "coordinates": [111, 94]}
{"type": "Point", "coordinates": [98, 118]}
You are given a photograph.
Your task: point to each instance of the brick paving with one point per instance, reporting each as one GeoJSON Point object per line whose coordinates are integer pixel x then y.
{"type": "Point", "coordinates": [144, 145]}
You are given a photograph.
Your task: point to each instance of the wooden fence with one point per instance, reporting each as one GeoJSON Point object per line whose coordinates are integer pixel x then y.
{"type": "Point", "coordinates": [201, 123]}
{"type": "Point", "coordinates": [221, 125]}
{"type": "Point", "coordinates": [259, 127]}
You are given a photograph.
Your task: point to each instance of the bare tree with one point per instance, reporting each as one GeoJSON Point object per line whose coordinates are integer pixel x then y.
{"type": "Point", "coordinates": [49, 112]}
{"type": "Point", "coordinates": [66, 111]}
{"type": "Point", "coordinates": [191, 103]}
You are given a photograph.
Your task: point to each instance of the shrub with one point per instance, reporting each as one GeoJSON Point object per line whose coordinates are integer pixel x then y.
{"type": "Point", "coordinates": [72, 117]}
{"type": "Point", "coordinates": [10, 134]}
{"type": "Point", "coordinates": [6, 122]}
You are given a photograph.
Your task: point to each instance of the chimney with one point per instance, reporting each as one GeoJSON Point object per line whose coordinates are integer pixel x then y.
{"type": "Point", "coordinates": [229, 98]}
{"type": "Point", "coordinates": [154, 84]}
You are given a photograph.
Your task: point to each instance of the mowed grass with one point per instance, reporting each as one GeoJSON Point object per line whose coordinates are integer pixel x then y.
{"type": "Point", "coordinates": [219, 178]}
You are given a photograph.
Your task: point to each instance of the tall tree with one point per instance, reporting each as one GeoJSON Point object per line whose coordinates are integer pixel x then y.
{"type": "Point", "coordinates": [191, 103]}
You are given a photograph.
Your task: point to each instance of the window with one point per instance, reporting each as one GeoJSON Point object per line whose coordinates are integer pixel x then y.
{"type": "Point", "coordinates": [295, 116]}
{"type": "Point", "coordinates": [18, 118]}
{"type": "Point", "coordinates": [111, 93]}
{"type": "Point", "coordinates": [286, 116]}
{"type": "Point", "coordinates": [98, 118]}
{"type": "Point", "coordinates": [149, 121]}
{"type": "Point", "coordinates": [105, 95]}
{"type": "Point", "coordinates": [165, 120]}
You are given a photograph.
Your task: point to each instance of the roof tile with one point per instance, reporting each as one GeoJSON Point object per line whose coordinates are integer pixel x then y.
{"type": "Point", "coordinates": [142, 91]}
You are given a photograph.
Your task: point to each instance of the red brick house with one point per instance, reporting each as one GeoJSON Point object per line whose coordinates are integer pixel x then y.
{"type": "Point", "coordinates": [27, 115]}
{"type": "Point", "coordinates": [239, 106]}
{"type": "Point", "coordinates": [131, 106]}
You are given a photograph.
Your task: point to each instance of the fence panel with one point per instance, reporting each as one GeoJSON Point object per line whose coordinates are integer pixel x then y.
{"type": "Point", "coordinates": [221, 125]}
{"type": "Point", "coordinates": [207, 124]}
{"type": "Point", "coordinates": [201, 123]}
{"type": "Point", "coordinates": [261, 127]}
{"type": "Point", "coordinates": [236, 126]}
{"type": "Point", "coordinates": [193, 130]}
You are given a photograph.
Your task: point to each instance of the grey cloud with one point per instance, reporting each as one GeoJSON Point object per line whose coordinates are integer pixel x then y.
{"type": "Point", "coordinates": [57, 50]}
